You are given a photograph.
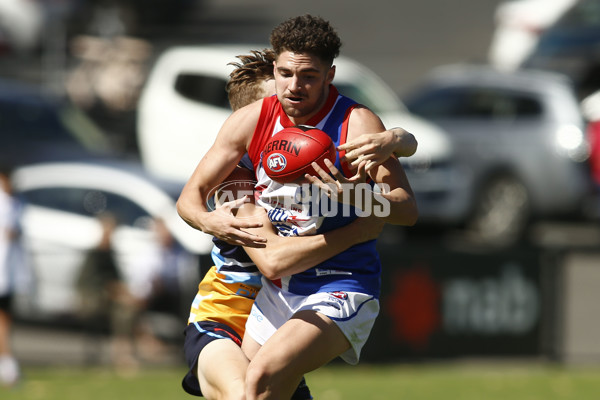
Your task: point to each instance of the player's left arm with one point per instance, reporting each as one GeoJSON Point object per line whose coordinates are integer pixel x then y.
{"type": "Point", "coordinates": [284, 256]}
{"type": "Point", "coordinates": [394, 204]}
{"type": "Point", "coordinates": [376, 148]}
{"type": "Point", "coordinates": [395, 194]}
{"type": "Point", "coordinates": [389, 176]}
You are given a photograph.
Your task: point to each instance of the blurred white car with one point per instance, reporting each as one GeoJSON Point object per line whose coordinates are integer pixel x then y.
{"type": "Point", "coordinates": [571, 46]}
{"type": "Point", "coordinates": [519, 24]}
{"type": "Point", "coordinates": [62, 201]}
{"type": "Point", "coordinates": [184, 104]}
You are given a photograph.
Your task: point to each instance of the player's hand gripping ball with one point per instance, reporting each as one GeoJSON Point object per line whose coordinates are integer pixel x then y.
{"type": "Point", "coordinates": [288, 154]}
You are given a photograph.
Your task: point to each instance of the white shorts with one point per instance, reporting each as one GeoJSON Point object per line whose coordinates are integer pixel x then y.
{"type": "Point", "coordinates": [354, 313]}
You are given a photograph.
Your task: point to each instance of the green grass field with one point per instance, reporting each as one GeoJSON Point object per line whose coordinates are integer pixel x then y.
{"type": "Point", "coordinates": [428, 381]}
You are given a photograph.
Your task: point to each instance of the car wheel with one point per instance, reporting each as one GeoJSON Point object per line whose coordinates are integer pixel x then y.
{"type": "Point", "coordinates": [501, 211]}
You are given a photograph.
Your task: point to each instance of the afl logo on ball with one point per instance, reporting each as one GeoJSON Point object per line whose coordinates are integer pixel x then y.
{"type": "Point", "coordinates": [276, 162]}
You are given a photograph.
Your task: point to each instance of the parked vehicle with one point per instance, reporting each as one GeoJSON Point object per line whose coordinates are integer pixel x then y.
{"type": "Point", "coordinates": [571, 46]}
{"type": "Point", "coordinates": [520, 142]}
{"type": "Point", "coordinates": [35, 126]}
{"type": "Point", "coordinates": [519, 25]}
{"type": "Point", "coordinates": [60, 225]}
{"type": "Point", "coordinates": [184, 104]}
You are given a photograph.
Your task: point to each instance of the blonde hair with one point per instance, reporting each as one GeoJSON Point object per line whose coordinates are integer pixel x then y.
{"type": "Point", "coordinates": [246, 80]}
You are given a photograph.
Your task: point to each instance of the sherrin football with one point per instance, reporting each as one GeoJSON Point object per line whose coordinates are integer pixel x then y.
{"type": "Point", "coordinates": [288, 155]}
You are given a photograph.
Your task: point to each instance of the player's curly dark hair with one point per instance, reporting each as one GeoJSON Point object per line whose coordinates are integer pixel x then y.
{"type": "Point", "coordinates": [307, 34]}
{"type": "Point", "coordinates": [247, 77]}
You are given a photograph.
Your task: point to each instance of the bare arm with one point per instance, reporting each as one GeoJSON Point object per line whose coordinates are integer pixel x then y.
{"type": "Point", "coordinates": [219, 161]}
{"type": "Point", "coordinates": [395, 204]}
{"type": "Point", "coordinates": [395, 191]}
{"type": "Point", "coordinates": [389, 176]}
{"type": "Point", "coordinates": [284, 256]}
{"type": "Point", "coordinates": [375, 148]}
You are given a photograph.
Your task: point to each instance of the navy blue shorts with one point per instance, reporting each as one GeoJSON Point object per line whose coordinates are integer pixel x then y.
{"type": "Point", "coordinates": [197, 336]}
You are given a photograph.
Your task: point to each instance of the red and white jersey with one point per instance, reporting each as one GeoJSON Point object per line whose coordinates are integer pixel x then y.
{"type": "Point", "coordinates": [356, 269]}
{"type": "Point", "coordinates": [290, 207]}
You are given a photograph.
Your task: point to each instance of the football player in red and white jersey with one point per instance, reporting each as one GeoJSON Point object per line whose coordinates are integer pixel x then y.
{"type": "Point", "coordinates": [226, 293]}
{"type": "Point", "coordinates": [280, 368]}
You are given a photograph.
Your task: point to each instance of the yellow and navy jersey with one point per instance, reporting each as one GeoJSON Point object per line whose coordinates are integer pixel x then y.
{"type": "Point", "coordinates": [223, 300]}
{"type": "Point", "coordinates": [228, 289]}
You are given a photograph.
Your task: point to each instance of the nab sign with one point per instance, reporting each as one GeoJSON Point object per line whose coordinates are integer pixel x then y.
{"type": "Point", "coordinates": [445, 304]}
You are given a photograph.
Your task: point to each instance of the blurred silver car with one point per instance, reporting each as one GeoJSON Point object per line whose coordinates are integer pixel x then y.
{"type": "Point", "coordinates": [520, 143]}
{"type": "Point", "coordinates": [62, 201]}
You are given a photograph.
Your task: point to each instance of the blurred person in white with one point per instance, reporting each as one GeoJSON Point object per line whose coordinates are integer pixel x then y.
{"type": "Point", "coordinates": [10, 211]}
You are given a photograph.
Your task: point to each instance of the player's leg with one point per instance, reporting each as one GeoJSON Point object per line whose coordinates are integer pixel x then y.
{"type": "Point", "coordinates": [306, 342]}
{"type": "Point", "coordinates": [250, 346]}
{"type": "Point", "coordinates": [301, 333]}
{"type": "Point", "coordinates": [212, 343]}
{"type": "Point", "coordinates": [302, 391]}
{"type": "Point", "coordinates": [221, 370]}
{"type": "Point", "coordinates": [217, 365]}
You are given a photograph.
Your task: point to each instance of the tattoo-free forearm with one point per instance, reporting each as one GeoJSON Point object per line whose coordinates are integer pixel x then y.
{"type": "Point", "coordinates": [284, 256]}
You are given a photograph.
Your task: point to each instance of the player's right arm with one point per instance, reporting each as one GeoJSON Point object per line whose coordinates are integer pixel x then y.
{"type": "Point", "coordinates": [284, 256]}
{"type": "Point", "coordinates": [229, 147]}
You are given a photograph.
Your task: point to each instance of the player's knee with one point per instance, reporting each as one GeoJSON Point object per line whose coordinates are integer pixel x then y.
{"type": "Point", "coordinates": [214, 389]}
{"type": "Point", "coordinates": [260, 381]}
{"type": "Point", "coordinates": [256, 380]}
{"type": "Point", "coordinates": [235, 391]}
{"type": "Point", "coordinates": [263, 380]}
{"type": "Point", "coordinates": [224, 394]}
{"type": "Point", "coordinates": [236, 396]}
